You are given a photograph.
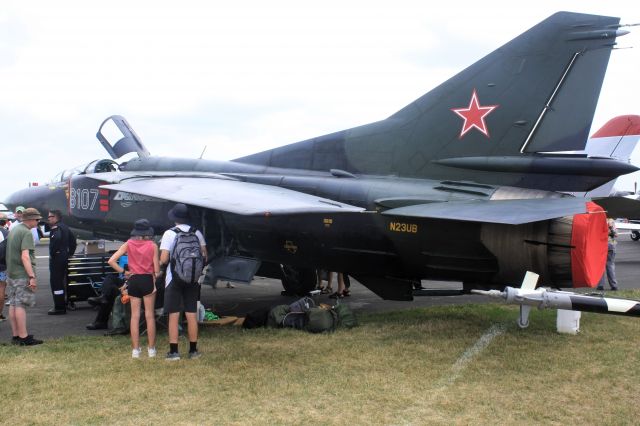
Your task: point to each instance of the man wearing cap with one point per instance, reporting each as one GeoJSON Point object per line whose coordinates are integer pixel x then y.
{"type": "Point", "coordinates": [21, 277]}
{"type": "Point", "coordinates": [17, 217]}
{"type": "Point", "coordinates": [62, 245]}
{"type": "Point", "coordinates": [17, 214]}
{"type": "Point", "coordinates": [176, 292]}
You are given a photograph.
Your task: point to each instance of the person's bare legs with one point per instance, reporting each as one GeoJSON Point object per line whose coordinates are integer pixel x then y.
{"type": "Point", "coordinates": [134, 325]}
{"type": "Point", "coordinates": [192, 326]}
{"type": "Point", "coordinates": [341, 286]}
{"type": "Point", "coordinates": [173, 327]}
{"type": "Point", "coordinates": [18, 318]}
{"type": "Point", "coordinates": [329, 279]}
{"type": "Point", "coordinates": [150, 317]}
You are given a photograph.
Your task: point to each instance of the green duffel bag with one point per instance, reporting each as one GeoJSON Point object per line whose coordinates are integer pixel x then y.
{"type": "Point", "coordinates": [276, 316]}
{"type": "Point", "coordinates": [346, 317]}
{"type": "Point", "coordinates": [320, 320]}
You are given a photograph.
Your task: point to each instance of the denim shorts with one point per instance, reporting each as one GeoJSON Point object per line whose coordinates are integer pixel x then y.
{"type": "Point", "coordinates": [3, 276]}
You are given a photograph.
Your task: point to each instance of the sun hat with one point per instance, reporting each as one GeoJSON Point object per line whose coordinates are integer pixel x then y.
{"type": "Point", "coordinates": [179, 213]}
{"type": "Point", "coordinates": [142, 228]}
{"type": "Point", "coordinates": [30, 214]}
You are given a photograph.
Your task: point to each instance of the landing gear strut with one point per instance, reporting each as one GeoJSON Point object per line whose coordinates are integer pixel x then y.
{"type": "Point", "coordinates": [298, 281]}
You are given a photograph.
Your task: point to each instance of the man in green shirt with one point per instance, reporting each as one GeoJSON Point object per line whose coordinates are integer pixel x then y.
{"type": "Point", "coordinates": [21, 277]}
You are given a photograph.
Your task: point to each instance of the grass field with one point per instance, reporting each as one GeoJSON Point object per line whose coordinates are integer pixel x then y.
{"type": "Point", "coordinates": [443, 365]}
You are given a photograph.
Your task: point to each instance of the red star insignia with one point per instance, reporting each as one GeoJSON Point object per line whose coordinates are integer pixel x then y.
{"type": "Point", "coordinates": [474, 115]}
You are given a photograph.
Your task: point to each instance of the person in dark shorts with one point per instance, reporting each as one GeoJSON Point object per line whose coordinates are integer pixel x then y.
{"type": "Point", "coordinates": [178, 294]}
{"type": "Point", "coordinates": [144, 267]}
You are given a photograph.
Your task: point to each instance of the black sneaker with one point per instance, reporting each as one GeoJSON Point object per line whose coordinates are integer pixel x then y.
{"type": "Point", "coordinates": [118, 331]}
{"type": "Point", "coordinates": [15, 340]}
{"type": "Point", "coordinates": [97, 326]}
{"type": "Point", "coordinates": [172, 356]}
{"type": "Point", "coordinates": [29, 341]}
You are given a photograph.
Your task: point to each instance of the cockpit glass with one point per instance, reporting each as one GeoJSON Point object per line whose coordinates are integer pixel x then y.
{"type": "Point", "coordinates": [111, 132]}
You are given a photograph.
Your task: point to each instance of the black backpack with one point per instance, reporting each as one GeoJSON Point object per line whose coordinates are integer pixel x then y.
{"type": "Point", "coordinates": [3, 249]}
{"type": "Point", "coordinates": [187, 261]}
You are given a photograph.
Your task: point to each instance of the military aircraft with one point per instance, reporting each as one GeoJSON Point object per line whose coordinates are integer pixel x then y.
{"type": "Point", "coordinates": [463, 184]}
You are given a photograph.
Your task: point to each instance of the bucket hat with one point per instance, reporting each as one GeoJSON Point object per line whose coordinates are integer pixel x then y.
{"type": "Point", "coordinates": [142, 228]}
{"type": "Point", "coordinates": [179, 213]}
{"type": "Point", "coordinates": [30, 214]}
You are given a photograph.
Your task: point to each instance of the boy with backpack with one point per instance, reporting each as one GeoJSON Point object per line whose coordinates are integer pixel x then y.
{"type": "Point", "coordinates": [184, 250]}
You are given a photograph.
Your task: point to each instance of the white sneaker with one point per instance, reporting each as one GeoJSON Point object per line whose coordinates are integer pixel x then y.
{"type": "Point", "coordinates": [135, 353]}
{"type": "Point", "coordinates": [152, 352]}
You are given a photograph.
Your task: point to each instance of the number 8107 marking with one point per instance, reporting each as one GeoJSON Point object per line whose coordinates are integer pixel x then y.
{"type": "Point", "coordinates": [83, 199]}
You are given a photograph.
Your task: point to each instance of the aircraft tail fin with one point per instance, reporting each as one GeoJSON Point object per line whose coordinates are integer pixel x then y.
{"type": "Point", "coordinates": [536, 93]}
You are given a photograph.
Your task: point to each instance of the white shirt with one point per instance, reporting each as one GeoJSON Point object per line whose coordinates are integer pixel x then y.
{"type": "Point", "coordinates": [169, 239]}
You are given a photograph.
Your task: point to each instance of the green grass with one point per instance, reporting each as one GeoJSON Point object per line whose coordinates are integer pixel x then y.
{"type": "Point", "coordinates": [396, 368]}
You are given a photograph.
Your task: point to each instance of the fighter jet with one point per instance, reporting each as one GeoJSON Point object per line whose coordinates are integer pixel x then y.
{"type": "Point", "coordinates": [463, 184]}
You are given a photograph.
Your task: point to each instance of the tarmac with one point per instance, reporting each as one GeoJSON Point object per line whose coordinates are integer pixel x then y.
{"type": "Point", "coordinates": [263, 292]}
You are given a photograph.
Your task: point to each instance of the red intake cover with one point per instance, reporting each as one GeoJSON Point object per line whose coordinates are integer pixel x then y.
{"type": "Point", "coordinates": [589, 240]}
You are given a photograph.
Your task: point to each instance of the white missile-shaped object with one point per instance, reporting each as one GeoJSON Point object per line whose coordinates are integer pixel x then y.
{"type": "Point", "coordinates": [528, 296]}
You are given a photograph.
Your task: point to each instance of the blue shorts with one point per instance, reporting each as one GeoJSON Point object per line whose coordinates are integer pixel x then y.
{"type": "Point", "coordinates": [3, 277]}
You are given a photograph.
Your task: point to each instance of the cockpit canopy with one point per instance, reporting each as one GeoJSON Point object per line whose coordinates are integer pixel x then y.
{"type": "Point", "coordinates": [118, 138]}
{"type": "Point", "coordinates": [96, 166]}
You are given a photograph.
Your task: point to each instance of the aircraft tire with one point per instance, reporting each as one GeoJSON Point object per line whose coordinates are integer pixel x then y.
{"type": "Point", "coordinates": [635, 235]}
{"type": "Point", "coordinates": [298, 281]}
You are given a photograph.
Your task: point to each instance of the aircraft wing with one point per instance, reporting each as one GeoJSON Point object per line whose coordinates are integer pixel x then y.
{"type": "Point", "coordinates": [224, 194]}
{"type": "Point", "coordinates": [509, 212]}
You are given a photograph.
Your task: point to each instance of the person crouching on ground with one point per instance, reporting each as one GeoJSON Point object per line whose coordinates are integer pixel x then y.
{"type": "Point", "coordinates": [144, 267]}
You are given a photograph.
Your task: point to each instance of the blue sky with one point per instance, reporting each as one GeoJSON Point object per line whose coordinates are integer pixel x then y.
{"type": "Point", "coordinates": [243, 76]}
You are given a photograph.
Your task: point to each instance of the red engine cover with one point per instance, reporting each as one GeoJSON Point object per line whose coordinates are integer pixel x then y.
{"type": "Point", "coordinates": [589, 240]}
